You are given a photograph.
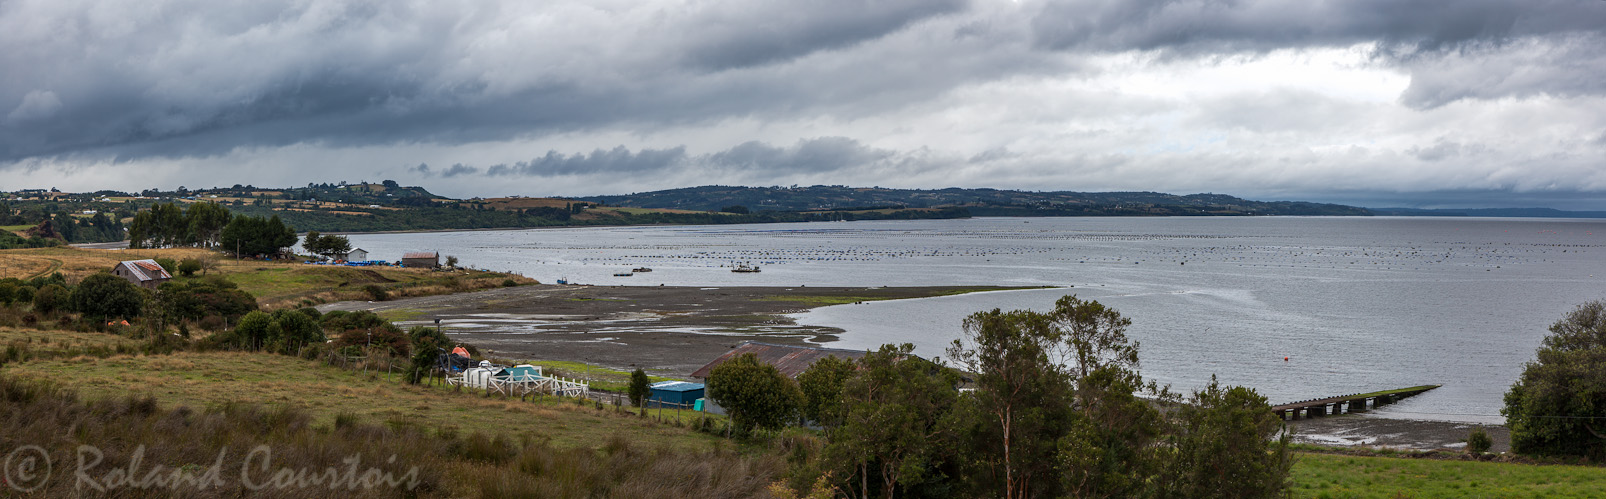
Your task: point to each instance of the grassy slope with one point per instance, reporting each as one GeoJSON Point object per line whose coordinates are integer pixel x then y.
{"type": "Point", "coordinates": [273, 283]}
{"type": "Point", "coordinates": [1336, 476]}
{"type": "Point", "coordinates": [213, 378]}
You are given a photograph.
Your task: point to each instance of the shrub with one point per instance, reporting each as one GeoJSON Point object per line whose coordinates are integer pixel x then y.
{"type": "Point", "coordinates": [51, 298]}
{"type": "Point", "coordinates": [1478, 442]}
{"type": "Point", "coordinates": [376, 292]}
{"type": "Point", "coordinates": [104, 295]}
{"type": "Point", "coordinates": [189, 266]}
{"type": "Point", "coordinates": [508, 283]}
{"type": "Point", "coordinates": [640, 388]}
{"type": "Point", "coordinates": [168, 264]}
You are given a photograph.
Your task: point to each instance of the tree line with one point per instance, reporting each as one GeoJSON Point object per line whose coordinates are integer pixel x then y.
{"type": "Point", "coordinates": [209, 225]}
{"type": "Point", "coordinates": [1032, 405]}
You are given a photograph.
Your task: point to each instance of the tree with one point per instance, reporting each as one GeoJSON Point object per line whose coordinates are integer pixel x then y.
{"type": "Point", "coordinates": [296, 330]}
{"type": "Point", "coordinates": [1022, 393]}
{"type": "Point", "coordinates": [8, 293]}
{"type": "Point", "coordinates": [1228, 444]}
{"type": "Point", "coordinates": [1056, 429]}
{"type": "Point", "coordinates": [255, 330]}
{"type": "Point", "coordinates": [451, 261]}
{"type": "Point", "coordinates": [755, 394]}
{"type": "Point", "coordinates": [257, 236]}
{"type": "Point", "coordinates": [898, 425]}
{"type": "Point", "coordinates": [1557, 405]}
{"type": "Point", "coordinates": [428, 343]}
{"type": "Point", "coordinates": [821, 385]}
{"type": "Point", "coordinates": [104, 295]}
{"type": "Point", "coordinates": [640, 388]}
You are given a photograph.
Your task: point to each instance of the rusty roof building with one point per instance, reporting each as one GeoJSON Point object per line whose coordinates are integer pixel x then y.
{"type": "Point", "coordinates": [143, 273]}
{"type": "Point", "coordinates": [421, 259]}
{"type": "Point", "coordinates": [790, 360]}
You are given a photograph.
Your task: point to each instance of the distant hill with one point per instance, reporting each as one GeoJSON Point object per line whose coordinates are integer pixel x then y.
{"type": "Point", "coordinates": [980, 202]}
{"type": "Point", "coordinates": [1487, 212]}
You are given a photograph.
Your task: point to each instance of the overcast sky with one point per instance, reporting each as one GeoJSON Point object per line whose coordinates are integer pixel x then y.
{"type": "Point", "coordinates": [1370, 102]}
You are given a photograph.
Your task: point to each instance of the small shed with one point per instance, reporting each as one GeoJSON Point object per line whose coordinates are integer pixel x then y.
{"type": "Point", "coordinates": [421, 259]}
{"type": "Point", "coordinates": [671, 393]}
{"type": "Point", "coordinates": [357, 255]}
{"type": "Point", "coordinates": [143, 273]}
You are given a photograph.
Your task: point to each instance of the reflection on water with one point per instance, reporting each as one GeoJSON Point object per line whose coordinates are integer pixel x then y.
{"type": "Point", "coordinates": [1356, 304]}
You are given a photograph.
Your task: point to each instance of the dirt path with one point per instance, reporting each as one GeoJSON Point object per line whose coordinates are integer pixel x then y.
{"type": "Point", "coordinates": [671, 331]}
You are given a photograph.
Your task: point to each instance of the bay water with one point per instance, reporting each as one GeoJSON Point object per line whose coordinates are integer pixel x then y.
{"type": "Point", "coordinates": [1354, 304]}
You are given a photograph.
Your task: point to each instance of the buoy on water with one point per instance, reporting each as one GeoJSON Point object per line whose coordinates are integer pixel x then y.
{"type": "Point", "coordinates": [1285, 359]}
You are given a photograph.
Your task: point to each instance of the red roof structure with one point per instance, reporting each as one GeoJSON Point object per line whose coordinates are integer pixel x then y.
{"type": "Point", "coordinates": [790, 360]}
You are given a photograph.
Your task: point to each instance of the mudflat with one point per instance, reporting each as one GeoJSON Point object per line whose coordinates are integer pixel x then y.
{"type": "Point", "coordinates": [666, 330]}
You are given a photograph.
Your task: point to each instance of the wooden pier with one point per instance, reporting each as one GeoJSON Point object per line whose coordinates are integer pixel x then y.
{"type": "Point", "coordinates": [1345, 404]}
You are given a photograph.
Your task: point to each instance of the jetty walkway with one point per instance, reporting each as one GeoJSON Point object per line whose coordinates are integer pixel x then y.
{"type": "Point", "coordinates": [1344, 404]}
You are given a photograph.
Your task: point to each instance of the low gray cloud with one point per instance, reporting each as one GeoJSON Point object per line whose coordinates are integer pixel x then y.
{"type": "Point", "coordinates": [1074, 93]}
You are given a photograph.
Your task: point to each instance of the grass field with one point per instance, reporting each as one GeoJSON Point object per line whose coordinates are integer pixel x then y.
{"type": "Point", "coordinates": [1329, 476]}
{"type": "Point", "coordinates": [275, 284]}
{"type": "Point", "coordinates": [212, 379]}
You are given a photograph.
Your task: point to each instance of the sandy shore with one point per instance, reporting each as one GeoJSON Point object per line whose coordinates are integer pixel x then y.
{"type": "Point", "coordinates": [1360, 430]}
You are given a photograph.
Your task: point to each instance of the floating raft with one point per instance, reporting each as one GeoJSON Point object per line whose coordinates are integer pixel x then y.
{"type": "Point", "coordinates": [1344, 404]}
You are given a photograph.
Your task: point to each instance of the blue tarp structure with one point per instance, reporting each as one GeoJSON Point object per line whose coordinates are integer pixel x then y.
{"type": "Point", "coordinates": [671, 393]}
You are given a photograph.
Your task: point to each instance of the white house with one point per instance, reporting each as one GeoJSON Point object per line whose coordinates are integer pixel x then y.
{"type": "Point", "coordinates": [357, 255]}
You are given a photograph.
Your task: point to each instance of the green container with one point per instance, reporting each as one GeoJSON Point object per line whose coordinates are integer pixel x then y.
{"type": "Point", "coordinates": [698, 406]}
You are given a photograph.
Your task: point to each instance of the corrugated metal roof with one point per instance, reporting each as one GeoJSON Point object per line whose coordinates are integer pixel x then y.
{"type": "Point", "coordinates": [420, 254]}
{"type": "Point", "coordinates": [790, 360]}
{"type": "Point", "coordinates": [677, 386]}
{"type": "Point", "coordinates": [146, 270]}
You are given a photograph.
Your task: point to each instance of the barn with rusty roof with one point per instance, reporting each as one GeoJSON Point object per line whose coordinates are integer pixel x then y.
{"type": "Point", "coordinates": [790, 360]}
{"type": "Point", "coordinates": [143, 273]}
{"type": "Point", "coordinates": [421, 259]}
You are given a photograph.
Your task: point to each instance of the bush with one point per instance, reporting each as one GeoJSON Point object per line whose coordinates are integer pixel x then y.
{"type": "Point", "coordinates": [640, 388]}
{"type": "Point", "coordinates": [168, 264]}
{"type": "Point", "coordinates": [189, 267]}
{"type": "Point", "coordinates": [104, 295]}
{"type": "Point", "coordinates": [376, 293]}
{"type": "Point", "coordinates": [508, 283]}
{"type": "Point", "coordinates": [51, 298]}
{"type": "Point", "coordinates": [1478, 442]}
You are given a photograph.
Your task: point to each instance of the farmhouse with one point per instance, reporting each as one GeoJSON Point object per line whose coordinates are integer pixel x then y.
{"type": "Point", "coordinates": [790, 360]}
{"type": "Point", "coordinates": [421, 259]}
{"type": "Point", "coordinates": [143, 273]}
{"type": "Point", "coordinates": [356, 255]}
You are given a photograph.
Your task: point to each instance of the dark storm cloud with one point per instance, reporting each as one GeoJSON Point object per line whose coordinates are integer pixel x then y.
{"type": "Point", "coordinates": [1454, 49]}
{"type": "Point", "coordinates": [807, 156]}
{"type": "Point", "coordinates": [776, 31]}
{"type": "Point", "coordinates": [85, 82]}
{"type": "Point", "coordinates": [616, 160]}
{"type": "Point", "coordinates": [1411, 26]}
{"type": "Point", "coordinates": [818, 155]}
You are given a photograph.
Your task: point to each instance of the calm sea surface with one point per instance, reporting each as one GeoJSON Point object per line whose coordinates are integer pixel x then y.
{"type": "Point", "coordinates": [1355, 304]}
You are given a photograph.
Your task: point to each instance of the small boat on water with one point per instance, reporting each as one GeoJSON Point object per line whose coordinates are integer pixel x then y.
{"type": "Point", "coordinates": [622, 274]}
{"type": "Point", "coordinates": [641, 269]}
{"type": "Point", "coordinates": [563, 280]}
{"type": "Point", "coordinates": [745, 269]}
